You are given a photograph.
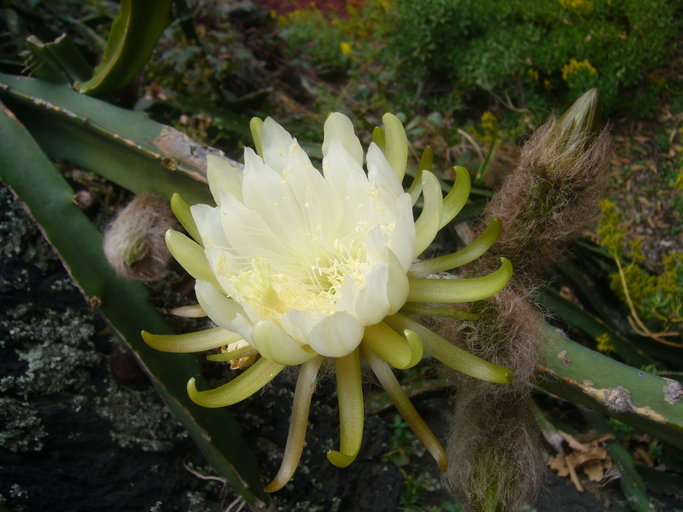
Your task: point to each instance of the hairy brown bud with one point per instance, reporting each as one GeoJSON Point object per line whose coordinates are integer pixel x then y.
{"type": "Point", "coordinates": [134, 242]}
{"type": "Point", "coordinates": [552, 195]}
{"type": "Point", "coordinates": [494, 449]}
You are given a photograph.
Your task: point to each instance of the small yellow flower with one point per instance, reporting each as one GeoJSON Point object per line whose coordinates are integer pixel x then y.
{"type": "Point", "coordinates": [345, 48]}
{"type": "Point", "coordinates": [574, 67]}
{"type": "Point", "coordinates": [294, 265]}
{"type": "Point", "coordinates": [604, 343]}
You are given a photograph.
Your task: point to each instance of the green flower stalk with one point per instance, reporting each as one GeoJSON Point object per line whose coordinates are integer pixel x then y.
{"type": "Point", "coordinates": [295, 265]}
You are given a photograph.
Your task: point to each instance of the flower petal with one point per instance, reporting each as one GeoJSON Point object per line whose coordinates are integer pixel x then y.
{"type": "Point", "coordinates": [182, 212]}
{"type": "Point", "coordinates": [223, 311]}
{"type": "Point", "coordinates": [243, 386]}
{"type": "Point", "coordinates": [339, 127]}
{"type": "Point", "coordinates": [281, 151]}
{"type": "Point", "coordinates": [197, 341]}
{"type": "Point", "coordinates": [427, 225]}
{"type": "Point", "coordinates": [223, 176]}
{"type": "Point", "coordinates": [381, 174]}
{"type": "Point", "coordinates": [275, 344]}
{"type": "Point", "coordinates": [405, 408]}
{"type": "Point", "coordinates": [351, 413]}
{"type": "Point", "coordinates": [190, 255]}
{"type": "Point", "coordinates": [336, 335]}
{"type": "Point", "coordinates": [395, 144]}
{"type": "Point", "coordinates": [461, 290]}
{"type": "Point", "coordinates": [305, 385]}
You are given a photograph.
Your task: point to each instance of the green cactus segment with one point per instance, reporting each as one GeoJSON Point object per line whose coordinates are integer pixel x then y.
{"type": "Point", "coordinates": [133, 36]}
{"type": "Point", "coordinates": [123, 146]}
{"type": "Point", "coordinates": [648, 402]}
{"type": "Point", "coordinates": [57, 61]}
{"type": "Point", "coordinates": [592, 326]}
{"type": "Point", "coordinates": [125, 304]}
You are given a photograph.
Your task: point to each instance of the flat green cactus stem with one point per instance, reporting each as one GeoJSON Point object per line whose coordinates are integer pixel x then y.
{"type": "Point", "coordinates": [582, 376]}
{"type": "Point", "coordinates": [124, 146]}
{"type": "Point", "coordinates": [125, 304]}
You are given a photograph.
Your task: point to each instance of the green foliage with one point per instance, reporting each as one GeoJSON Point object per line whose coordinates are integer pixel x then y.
{"type": "Point", "coordinates": [656, 298]}
{"type": "Point", "coordinates": [472, 45]}
{"type": "Point", "coordinates": [313, 39]}
{"type": "Point", "coordinates": [134, 34]}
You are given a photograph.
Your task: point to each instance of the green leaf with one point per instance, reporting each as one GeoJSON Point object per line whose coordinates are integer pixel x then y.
{"type": "Point", "coordinates": [123, 146]}
{"type": "Point", "coordinates": [584, 377]}
{"type": "Point", "coordinates": [123, 303]}
{"type": "Point", "coordinates": [132, 38]}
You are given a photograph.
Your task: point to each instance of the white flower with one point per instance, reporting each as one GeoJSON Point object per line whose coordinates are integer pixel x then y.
{"type": "Point", "coordinates": [303, 261]}
{"type": "Point", "coordinates": [294, 265]}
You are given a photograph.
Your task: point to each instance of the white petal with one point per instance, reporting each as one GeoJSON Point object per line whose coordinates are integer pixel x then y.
{"type": "Point", "coordinates": [339, 127]}
{"type": "Point", "coordinates": [248, 235]}
{"type": "Point", "coordinates": [368, 302]}
{"type": "Point", "coordinates": [209, 225]}
{"type": "Point", "coordinates": [336, 335]}
{"type": "Point", "coordinates": [275, 344]}
{"type": "Point", "coordinates": [298, 324]}
{"type": "Point", "coordinates": [398, 285]}
{"type": "Point", "coordinates": [223, 311]}
{"type": "Point", "coordinates": [280, 150]}
{"type": "Point", "coordinates": [381, 174]}
{"type": "Point", "coordinates": [222, 175]}
{"type": "Point", "coordinates": [402, 238]}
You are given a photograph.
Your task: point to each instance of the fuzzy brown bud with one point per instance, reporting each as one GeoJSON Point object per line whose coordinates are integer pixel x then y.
{"type": "Point", "coordinates": [495, 451]}
{"type": "Point", "coordinates": [134, 242]}
{"type": "Point", "coordinates": [552, 195]}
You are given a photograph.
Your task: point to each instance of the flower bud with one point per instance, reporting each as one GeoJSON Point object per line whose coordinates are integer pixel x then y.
{"type": "Point", "coordinates": [552, 194]}
{"type": "Point", "coordinates": [134, 242]}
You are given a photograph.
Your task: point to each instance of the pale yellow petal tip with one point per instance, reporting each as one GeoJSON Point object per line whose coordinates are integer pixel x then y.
{"type": "Point", "coordinates": [194, 393]}
{"type": "Point", "coordinates": [507, 376]}
{"type": "Point", "coordinates": [146, 336]}
{"type": "Point", "coordinates": [339, 459]}
{"type": "Point", "coordinates": [416, 348]}
{"type": "Point", "coordinates": [442, 461]}
{"type": "Point", "coordinates": [276, 484]}
{"type": "Point", "coordinates": [273, 487]}
{"type": "Point", "coordinates": [506, 267]}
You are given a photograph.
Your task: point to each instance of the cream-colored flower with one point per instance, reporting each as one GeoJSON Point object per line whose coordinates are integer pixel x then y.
{"type": "Point", "coordinates": [297, 265]}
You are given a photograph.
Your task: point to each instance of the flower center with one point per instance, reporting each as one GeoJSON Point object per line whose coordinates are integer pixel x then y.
{"type": "Point", "coordinates": [309, 286]}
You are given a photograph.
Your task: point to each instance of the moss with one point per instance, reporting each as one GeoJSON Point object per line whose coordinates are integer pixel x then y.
{"type": "Point", "coordinates": [19, 238]}
{"type": "Point", "coordinates": [58, 351]}
{"type": "Point", "coordinates": [139, 419]}
{"type": "Point", "coordinates": [23, 430]}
